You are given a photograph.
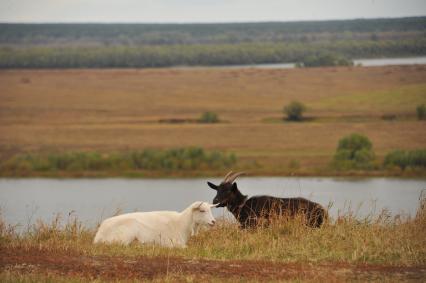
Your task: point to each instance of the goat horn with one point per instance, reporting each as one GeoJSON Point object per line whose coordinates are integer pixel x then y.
{"type": "Point", "coordinates": [233, 177]}
{"type": "Point", "coordinates": [225, 180]}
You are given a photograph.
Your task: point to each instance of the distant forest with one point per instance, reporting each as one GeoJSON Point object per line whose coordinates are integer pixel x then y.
{"type": "Point", "coordinates": [160, 45]}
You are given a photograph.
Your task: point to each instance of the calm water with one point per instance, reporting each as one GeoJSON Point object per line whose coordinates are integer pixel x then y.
{"type": "Point", "coordinates": [23, 201]}
{"type": "Point", "coordinates": [363, 62]}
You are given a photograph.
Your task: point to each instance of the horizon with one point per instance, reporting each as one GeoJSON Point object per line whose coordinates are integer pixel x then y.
{"type": "Point", "coordinates": [218, 23]}
{"type": "Point", "coordinates": [203, 11]}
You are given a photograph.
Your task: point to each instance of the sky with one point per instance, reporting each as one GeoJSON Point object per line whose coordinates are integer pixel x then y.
{"type": "Point", "coordinates": [184, 11]}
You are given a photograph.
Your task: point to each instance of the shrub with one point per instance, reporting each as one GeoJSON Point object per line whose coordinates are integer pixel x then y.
{"type": "Point", "coordinates": [404, 159]}
{"type": "Point", "coordinates": [209, 117]}
{"type": "Point", "coordinates": [294, 164]}
{"type": "Point", "coordinates": [294, 111]}
{"type": "Point", "coordinates": [421, 112]}
{"type": "Point", "coordinates": [323, 60]}
{"type": "Point", "coordinates": [354, 152]}
{"type": "Point", "coordinates": [191, 158]}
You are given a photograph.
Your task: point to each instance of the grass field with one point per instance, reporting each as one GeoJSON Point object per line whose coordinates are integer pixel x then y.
{"type": "Point", "coordinates": [43, 111]}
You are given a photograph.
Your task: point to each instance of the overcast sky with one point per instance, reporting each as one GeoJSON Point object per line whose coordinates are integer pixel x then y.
{"type": "Point", "coordinates": [203, 10]}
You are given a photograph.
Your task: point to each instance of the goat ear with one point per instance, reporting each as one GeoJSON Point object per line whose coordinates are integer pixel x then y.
{"type": "Point", "coordinates": [197, 205]}
{"type": "Point", "coordinates": [213, 186]}
{"type": "Point", "coordinates": [234, 187]}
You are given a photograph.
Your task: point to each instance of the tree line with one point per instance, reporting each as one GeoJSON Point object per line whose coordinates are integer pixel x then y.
{"type": "Point", "coordinates": [161, 45]}
{"type": "Point", "coordinates": [201, 55]}
{"type": "Point", "coordinates": [232, 33]}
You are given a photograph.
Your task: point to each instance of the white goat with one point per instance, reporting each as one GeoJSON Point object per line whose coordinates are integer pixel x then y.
{"type": "Point", "coordinates": [165, 228]}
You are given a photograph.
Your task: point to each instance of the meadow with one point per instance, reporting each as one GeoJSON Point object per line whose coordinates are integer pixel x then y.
{"type": "Point", "coordinates": [119, 111]}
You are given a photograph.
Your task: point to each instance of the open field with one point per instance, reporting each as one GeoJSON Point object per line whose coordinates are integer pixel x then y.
{"type": "Point", "coordinates": [44, 111]}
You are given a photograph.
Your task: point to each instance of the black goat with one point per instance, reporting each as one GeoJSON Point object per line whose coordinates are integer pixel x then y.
{"type": "Point", "coordinates": [248, 211]}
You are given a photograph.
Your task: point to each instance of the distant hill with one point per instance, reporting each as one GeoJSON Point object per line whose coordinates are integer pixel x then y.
{"type": "Point", "coordinates": [160, 34]}
{"type": "Point", "coordinates": [157, 45]}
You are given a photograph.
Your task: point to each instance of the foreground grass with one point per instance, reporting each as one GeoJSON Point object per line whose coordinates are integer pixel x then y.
{"type": "Point", "coordinates": [384, 240]}
{"type": "Point", "coordinates": [380, 249]}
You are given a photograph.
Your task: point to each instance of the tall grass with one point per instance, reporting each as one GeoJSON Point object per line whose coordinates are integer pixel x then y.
{"type": "Point", "coordinates": [192, 158]}
{"type": "Point", "coordinates": [378, 240]}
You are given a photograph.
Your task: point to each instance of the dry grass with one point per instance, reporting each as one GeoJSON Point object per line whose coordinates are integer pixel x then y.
{"type": "Point", "coordinates": [350, 248]}
{"type": "Point", "coordinates": [114, 110]}
{"type": "Point", "coordinates": [378, 240]}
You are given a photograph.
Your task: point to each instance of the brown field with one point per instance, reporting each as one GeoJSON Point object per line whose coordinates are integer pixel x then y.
{"type": "Point", "coordinates": [116, 110]}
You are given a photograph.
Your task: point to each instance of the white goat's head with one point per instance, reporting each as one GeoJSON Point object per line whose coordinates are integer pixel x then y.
{"type": "Point", "coordinates": [202, 213]}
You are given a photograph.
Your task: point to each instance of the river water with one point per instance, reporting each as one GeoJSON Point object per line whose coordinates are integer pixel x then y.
{"type": "Point", "coordinates": [23, 201]}
{"type": "Point", "coordinates": [364, 62]}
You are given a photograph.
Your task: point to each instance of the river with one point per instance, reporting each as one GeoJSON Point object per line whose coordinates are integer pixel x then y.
{"type": "Point", "coordinates": [363, 62]}
{"type": "Point", "coordinates": [23, 201]}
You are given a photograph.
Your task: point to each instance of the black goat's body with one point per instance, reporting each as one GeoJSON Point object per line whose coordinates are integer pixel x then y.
{"type": "Point", "coordinates": [256, 210]}
{"type": "Point", "coordinates": [260, 208]}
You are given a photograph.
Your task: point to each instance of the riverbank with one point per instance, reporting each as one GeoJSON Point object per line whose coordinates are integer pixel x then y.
{"type": "Point", "coordinates": [349, 249]}
{"type": "Point", "coordinates": [410, 173]}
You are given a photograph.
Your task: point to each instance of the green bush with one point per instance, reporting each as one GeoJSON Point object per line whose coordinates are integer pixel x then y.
{"type": "Point", "coordinates": [354, 152]}
{"type": "Point", "coordinates": [405, 158]}
{"type": "Point", "coordinates": [294, 111]}
{"type": "Point", "coordinates": [324, 60]}
{"type": "Point", "coordinates": [191, 158]}
{"type": "Point", "coordinates": [209, 117]}
{"type": "Point", "coordinates": [421, 112]}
